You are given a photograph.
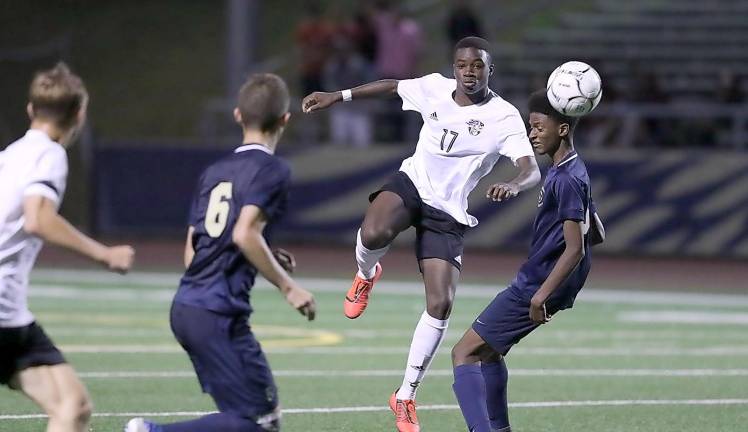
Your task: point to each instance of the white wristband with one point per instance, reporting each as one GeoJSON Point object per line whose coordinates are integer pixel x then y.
{"type": "Point", "coordinates": [347, 95]}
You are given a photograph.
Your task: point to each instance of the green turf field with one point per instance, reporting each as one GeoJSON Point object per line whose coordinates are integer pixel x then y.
{"type": "Point", "coordinates": [616, 362]}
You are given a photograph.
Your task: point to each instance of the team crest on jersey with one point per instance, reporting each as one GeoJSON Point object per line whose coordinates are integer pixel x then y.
{"type": "Point", "coordinates": [541, 195]}
{"type": "Point", "coordinates": [475, 126]}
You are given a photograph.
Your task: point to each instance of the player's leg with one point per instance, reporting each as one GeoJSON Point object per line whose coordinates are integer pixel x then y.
{"type": "Point", "coordinates": [59, 392]}
{"type": "Point", "coordinates": [230, 367]}
{"type": "Point", "coordinates": [440, 280]}
{"type": "Point", "coordinates": [385, 218]}
{"type": "Point", "coordinates": [496, 378]}
{"type": "Point", "coordinates": [480, 354]}
{"type": "Point", "coordinates": [469, 383]}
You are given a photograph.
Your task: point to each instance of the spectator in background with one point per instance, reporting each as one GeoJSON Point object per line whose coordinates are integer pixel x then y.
{"type": "Point", "coordinates": [313, 38]}
{"type": "Point", "coordinates": [462, 22]}
{"type": "Point", "coordinates": [363, 33]}
{"type": "Point", "coordinates": [347, 68]}
{"type": "Point", "coordinates": [399, 48]}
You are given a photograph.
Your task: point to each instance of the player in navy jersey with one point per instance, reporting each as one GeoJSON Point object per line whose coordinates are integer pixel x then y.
{"type": "Point", "coordinates": [565, 227]}
{"type": "Point", "coordinates": [237, 197]}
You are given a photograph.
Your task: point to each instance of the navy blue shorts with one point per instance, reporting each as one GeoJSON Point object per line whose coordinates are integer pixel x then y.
{"type": "Point", "coordinates": [506, 320]}
{"type": "Point", "coordinates": [228, 360]}
{"type": "Point", "coordinates": [25, 347]}
{"type": "Point", "coordinates": [438, 235]}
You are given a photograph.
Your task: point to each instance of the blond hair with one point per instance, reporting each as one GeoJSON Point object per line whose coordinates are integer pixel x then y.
{"type": "Point", "coordinates": [57, 95]}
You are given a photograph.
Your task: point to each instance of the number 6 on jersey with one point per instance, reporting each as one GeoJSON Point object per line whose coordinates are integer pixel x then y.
{"type": "Point", "coordinates": [218, 209]}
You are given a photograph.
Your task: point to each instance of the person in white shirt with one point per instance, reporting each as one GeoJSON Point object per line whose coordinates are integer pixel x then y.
{"type": "Point", "coordinates": [33, 174]}
{"type": "Point", "coordinates": [466, 129]}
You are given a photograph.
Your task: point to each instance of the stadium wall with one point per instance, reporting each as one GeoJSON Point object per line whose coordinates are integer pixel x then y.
{"type": "Point", "coordinates": [665, 203]}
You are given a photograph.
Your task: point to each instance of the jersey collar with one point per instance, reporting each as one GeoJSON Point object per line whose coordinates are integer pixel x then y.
{"type": "Point", "coordinates": [570, 157]}
{"type": "Point", "coordinates": [246, 147]}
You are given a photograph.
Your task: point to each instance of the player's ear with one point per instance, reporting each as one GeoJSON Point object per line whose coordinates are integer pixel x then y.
{"type": "Point", "coordinates": [237, 115]}
{"type": "Point", "coordinates": [563, 130]}
{"type": "Point", "coordinates": [491, 68]}
{"type": "Point", "coordinates": [285, 118]}
{"type": "Point", "coordinates": [30, 110]}
{"type": "Point", "coordinates": [82, 114]}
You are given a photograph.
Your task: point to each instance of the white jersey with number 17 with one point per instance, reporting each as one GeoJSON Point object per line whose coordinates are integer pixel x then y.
{"type": "Point", "coordinates": [458, 145]}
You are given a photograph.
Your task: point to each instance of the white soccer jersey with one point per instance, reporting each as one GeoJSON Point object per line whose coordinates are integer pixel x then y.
{"type": "Point", "coordinates": [458, 145]}
{"type": "Point", "coordinates": [33, 165]}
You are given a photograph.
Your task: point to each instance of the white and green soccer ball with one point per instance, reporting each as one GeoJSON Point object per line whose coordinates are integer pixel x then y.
{"type": "Point", "coordinates": [574, 89]}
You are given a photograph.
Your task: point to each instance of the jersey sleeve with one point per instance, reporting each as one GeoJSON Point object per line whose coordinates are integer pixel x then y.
{"type": "Point", "coordinates": [414, 91]}
{"type": "Point", "coordinates": [571, 198]}
{"type": "Point", "coordinates": [268, 190]}
{"type": "Point", "coordinates": [48, 177]}
{"type": "Point", "coordinates": [514, 142]}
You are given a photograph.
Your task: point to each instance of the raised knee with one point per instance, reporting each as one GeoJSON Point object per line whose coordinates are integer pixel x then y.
{"type": "Point", "coordinates": [376, 237]}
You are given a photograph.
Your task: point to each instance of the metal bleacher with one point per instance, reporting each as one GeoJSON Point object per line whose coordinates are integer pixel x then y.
{"type": "Point", "coordinates": [685, 46]}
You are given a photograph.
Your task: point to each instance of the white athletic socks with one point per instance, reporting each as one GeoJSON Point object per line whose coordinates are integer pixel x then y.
{"type": "Point", "coordinates": [367, 259]}
{"type": "Point", "coordinates": [427, 337]}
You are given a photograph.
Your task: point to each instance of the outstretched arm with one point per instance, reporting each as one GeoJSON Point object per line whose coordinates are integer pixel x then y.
{"type": "Point", "coordinates": [321, 100]}
{"type": "Point", "coordinates": [247, 236]}
{"type": "Point", "coordinates": [42, 220]}
{"type": "Point", "coordinates": [529, 176]}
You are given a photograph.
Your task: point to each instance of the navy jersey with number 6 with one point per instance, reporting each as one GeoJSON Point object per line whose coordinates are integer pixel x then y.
{"type": "Point", "coordinates": [220, 277]}
{"type": "Point", "coordinates": [565, 195]}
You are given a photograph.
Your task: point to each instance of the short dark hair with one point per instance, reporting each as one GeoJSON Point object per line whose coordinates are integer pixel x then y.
{"type": "Point", "coordinates": [539, 103]}
{"type": "Point", "coordinates": [263, 100]}
{"type": "Point", "coordinates": [57, 95]}
{"type": "Point", "coordinates": [474, 42]}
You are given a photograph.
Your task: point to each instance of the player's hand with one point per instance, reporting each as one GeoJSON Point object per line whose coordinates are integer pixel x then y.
{"type": "Point", "coordinates": [502, 191]}
{"type": "Point", "coordinates": [303, 301]}
{"type": "Point", "coordinates": [285, 259]}
{"type": "Point", "coordinates": [538, 314]}
{"type": "Point", "coordinates": [119, 259]}
{"type": "Point", "coordinates": [318, 100]}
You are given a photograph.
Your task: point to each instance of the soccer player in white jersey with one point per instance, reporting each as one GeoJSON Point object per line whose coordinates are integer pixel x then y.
{"type": "Point", "coordinates": [466, 129]}
{"type": "Point", "coordinates": [33, 173]}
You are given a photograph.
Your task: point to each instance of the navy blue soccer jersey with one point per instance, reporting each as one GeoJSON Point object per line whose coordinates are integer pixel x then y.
{"type": "Point", "coordinates": [220, 277]}
{"type": "Point", "coordinates": [565, 195]}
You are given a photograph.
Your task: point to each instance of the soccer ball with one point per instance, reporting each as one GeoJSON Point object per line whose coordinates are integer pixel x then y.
{"type": "Point", "coordinates": [574, 89]}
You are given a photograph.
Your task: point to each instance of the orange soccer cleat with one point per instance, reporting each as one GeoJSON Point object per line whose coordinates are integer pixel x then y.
{"type": "Point", "coordinates": [405, 414]}
{"type": "Point", "coordinates": [357, 297]}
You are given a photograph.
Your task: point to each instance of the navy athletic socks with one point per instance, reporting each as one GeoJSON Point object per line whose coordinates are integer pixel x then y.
{"type": "Point", "coordinates": [496, 376]}
{"type": "Point", "coordinates": [470, 389]}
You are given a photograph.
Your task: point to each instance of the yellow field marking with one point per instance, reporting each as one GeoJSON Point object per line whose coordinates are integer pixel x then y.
{"type": "Point", "coordinates": [270, 336]}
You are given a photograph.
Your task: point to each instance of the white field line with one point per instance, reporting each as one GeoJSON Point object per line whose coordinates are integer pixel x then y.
{"type": "Point", "coordinates": [683, 317]}
{"type": "Point", "coordinates": [623, 373]}
{"type": "Point", "coordinates": [547, 404]}
{"type": "Point", "coordinates": [45, 284]}
{"type": "Point", "coordinates": [713, 351]}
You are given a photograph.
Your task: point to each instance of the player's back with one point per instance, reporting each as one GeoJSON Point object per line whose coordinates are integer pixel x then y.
{"type": "Point", "coordinates": [219, 276]}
